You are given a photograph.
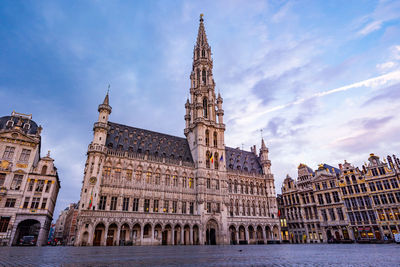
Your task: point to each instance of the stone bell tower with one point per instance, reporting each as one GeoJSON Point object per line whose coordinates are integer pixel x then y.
{"type": "Point", "coordinates": [204, 114]}
{"type": "Point", "coordinates": [95, 158]}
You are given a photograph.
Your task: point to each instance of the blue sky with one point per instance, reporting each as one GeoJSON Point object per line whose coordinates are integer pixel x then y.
{"type": "Point", "coordinates": [321, 78]}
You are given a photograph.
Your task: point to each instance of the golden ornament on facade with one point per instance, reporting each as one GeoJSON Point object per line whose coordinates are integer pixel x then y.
{"type": "Point", "coordinates": [93, 180]}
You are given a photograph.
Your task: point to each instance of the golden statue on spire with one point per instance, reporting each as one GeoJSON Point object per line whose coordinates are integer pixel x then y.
{"type": "Point", "coordinates": [201, 16]}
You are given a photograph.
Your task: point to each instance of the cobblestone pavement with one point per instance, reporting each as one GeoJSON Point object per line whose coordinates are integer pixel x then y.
{"type": "Point", "coordinates": [257, 255]}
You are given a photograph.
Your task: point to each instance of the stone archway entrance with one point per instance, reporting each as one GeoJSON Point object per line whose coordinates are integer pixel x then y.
{"type": "Point", "coordinates": [85, 239]}
{"type": "Point", "coordinates": [211, 232]}
{"type": "Point", "coordinates": [98, 234]}
{"type": "Point", "coordinates": [28, 227]}
{"type": "Point", "coordinates": [111, 235]}
{"type": "Point", "coordinates": [232, 231]}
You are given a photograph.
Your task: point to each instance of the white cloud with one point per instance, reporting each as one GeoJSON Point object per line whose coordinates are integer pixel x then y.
{"type": "Point", "coordinates": [371, 27]}
{"type": "Point", "coordinates": [386, 66]}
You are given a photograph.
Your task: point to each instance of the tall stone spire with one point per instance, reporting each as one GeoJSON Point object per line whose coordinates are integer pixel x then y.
{"type": "Point", "coordinates": [201, 36]}
{"type": "Point", "coordinates": [203, 102]}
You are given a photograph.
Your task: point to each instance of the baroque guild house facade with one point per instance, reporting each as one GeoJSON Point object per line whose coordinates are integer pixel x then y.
{"type": "Point", "coordinates": [147, 188]}
{"type": "Point", "coordinates": [29, 183]}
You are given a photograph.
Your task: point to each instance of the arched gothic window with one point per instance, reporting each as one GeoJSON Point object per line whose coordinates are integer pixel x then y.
{"type": "Point", "coordinates": [207, 138]}
{"type": "Point", "coordinates": [203, 53]}
{"type": "Point", "coordinates": [215, 139]}
{"type": "Point", "coordinates": [44, 170]}
{"type": "Point", "coordinates": [198, 77]}
{"type": "Point", "coordinates": [198, 53]}
{"type": "Point", "coordinates": [205, 112]}
{"type": "Point", "coordinates": [203, 76]}
{"type": "Point", "coordinates": [208, 156]}
{"type": "Point", "coordinates": [237, 207]}
{"type": "Point", "coordinates": [216, 161]}
{"type": "Point", "coordinates": [235, 187]}
{"type": "Point", "coordinates": [230, 186]}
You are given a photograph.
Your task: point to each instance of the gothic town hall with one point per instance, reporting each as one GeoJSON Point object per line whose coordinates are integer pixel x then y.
{"type": "Point", "coordinates": [146, 188]}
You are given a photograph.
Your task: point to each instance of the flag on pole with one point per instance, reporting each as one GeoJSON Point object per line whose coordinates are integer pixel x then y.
{"type": "Point", "coordinates": [221, 158]}
{"type": "Point", "coordinates": [212, 158]}
{"type": "Point", "coordinates": [91, 200]}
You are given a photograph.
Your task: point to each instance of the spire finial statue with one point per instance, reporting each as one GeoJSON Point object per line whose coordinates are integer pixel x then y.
{"type": "Point", "coordinates": [201, 17]}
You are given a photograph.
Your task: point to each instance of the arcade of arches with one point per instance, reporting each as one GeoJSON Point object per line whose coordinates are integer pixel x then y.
{"type": "Point", "coordinates": [126, 234]}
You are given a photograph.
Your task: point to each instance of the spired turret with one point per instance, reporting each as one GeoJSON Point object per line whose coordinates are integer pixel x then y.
{"type": "Point", "coordinates": [265, 162]}
{"type": "Point", "coordinates": [100, 127]}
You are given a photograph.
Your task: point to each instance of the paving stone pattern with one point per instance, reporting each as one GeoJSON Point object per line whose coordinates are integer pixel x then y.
{"type": "Point", "coordinates": [257, 255]}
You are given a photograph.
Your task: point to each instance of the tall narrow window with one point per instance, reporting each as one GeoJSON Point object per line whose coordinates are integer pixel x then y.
{"type": "Point", "coordinates": [203, 53]}
{"type": "Point", "coordinates": [4, 221]}
{"type": "Point", "coordinates": [146, 205]}
{"type": "Point", "coordinates": [26, 202]}
{"type": "Point", "coordinates": [2, 178]}
{"type": "Point", "coordinates": [113, 205]}
{"type": "Point", "coordinates": [216, 160]}
{"type": "Point", "coordinates": [205, 112]}
{"type": "Point", "coordinates": [16, 182]}
{"type": "Point", "coordinates": [191, 208]}
{"type": "Point", "coordinates": [155, 206]}
{"type": "Point", "coordinates": [39, 186]}
{"type": "Point", "coordinates": [135, 206]}
{"type": "Point", "coordinates": [102, 204]}
{"type": "Point", "coordinates": [203, 76]}
{"type": "Point", "coordinates": [35, 202]}
{"type": "Point", "coordinates": [208, 156]}
{"type": "Point", "coordinates": [174, 207]}
{"type": "Point", "coordinates": [9, 152]}
{"type": "Point", "coordinates": [48, 186]}
{"type": "Point", "coordinates": [125, 204]}
{"type": "Point", "coordinates": [117, 173]}
{"type": "Point", "coordinates": [107, 172]}
{"type": "Point", "coordinates": [198, 77]}
{"type": "Point", "coordinates": [44, 202]}
{"type": "Point", "coordinates": [166, 206]}
{"type": "Point", "coordinates": [183, 207]}
{"type": "Point", "coordinates": [207, 138]}
{"type": "Point", "coordinates": [215, 139]}
{"type": "Point", "coordinates": [24, 157]}
{"type": "Point", "coordinates": [44, 170]}
{"type": "Point", "coordinates": [10, 203]}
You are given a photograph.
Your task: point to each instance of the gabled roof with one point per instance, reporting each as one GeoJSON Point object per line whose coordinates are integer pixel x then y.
{"type": "Point", "coordinates": [132, 139]}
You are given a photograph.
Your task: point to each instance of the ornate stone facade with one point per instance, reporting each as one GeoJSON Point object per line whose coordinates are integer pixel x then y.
{"type": "Point", "coordinates": [147, 188]}
{"type": "Point", "coordinates": [348, 204]}
{"type": "Point", "coordinates": [29, 184]}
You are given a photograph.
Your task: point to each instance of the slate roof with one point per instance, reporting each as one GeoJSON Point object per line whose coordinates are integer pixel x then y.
{"type": "Point", "coordinates": [237, 159]}
{"type": "Point", "coordinates": [32, 125]}
{"type": "Point", "coordinates": [132, 139]}
{"type": "Point", "coordinates": [329, 167]}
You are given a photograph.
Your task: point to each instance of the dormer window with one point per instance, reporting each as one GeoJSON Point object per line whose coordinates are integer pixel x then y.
{"type": "Point", "coordinates": [9, 124]}
{"type": "Point", "coordinates": [27, 126]}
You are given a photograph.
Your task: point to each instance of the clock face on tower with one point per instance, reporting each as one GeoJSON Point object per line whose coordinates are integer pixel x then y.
{"type": "Point", "coordinates": [92, 180]}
